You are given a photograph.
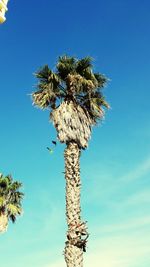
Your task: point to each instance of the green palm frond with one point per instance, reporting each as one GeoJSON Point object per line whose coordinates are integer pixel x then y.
{"type": "Point", "coordinates": [16, 197]}
{"type": "Point", "coordinates": [10, 197]}
{"type": "Point", "coordinates": [66, 65]}
{"type": "Point", "coordinates": [2, 202]}
{"type": "Point", "coordinates": [78, 84]}
{"type": "Point", "coordinates": [13, 209]}
{"type": "Point", "coordinates": [16, 185]}
{"type": "Point", "coordinates": [44, 73]}
{"type": "Point", "coordinates": [96, 108]}
{"type": "Point", "coordinates": [84, 64]}
{"type": "Point", "coordinates": [94, 103]}
{"type": "Point", "coordinates": [3, 184]}
{"type": "Point", "coordinates": [65, 59]}
{"type": "Point", "coordinates": [42, 98]}
{"type": "Point", "coordinates": [104, 103]}
{"type": "Point", "coordinates": [84, 68]}
{"type": "Point", "coordinates": [48, 88]}
{"type": "Point", "coordinates": [47, 79]}
{"type": "Point", "coordinates": [12, 218]}
{"type": "Point", "coordinates": [101, 79]}
{"type": "Point", "coordinates": [5, 181]}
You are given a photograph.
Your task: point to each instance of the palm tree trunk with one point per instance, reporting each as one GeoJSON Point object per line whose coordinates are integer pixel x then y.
{"type": "Point", "coordinates": [75, 244]}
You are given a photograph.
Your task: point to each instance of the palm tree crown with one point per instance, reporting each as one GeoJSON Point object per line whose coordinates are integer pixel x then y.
{"type": "Point", "coordinates": [10, 197]}
{"type": "Point", "coordinates": [74, 95]}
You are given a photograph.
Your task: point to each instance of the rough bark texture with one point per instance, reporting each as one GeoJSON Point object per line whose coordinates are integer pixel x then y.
{"type": "Point", "coordinates": [3, 223]}
{"type": "Point", "coordinates": [77, 232]}
{"type": "Point", "coordinates": [72, 123]}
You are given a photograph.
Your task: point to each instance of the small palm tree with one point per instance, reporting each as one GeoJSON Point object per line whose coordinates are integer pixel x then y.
{"type": "Point", "coordinates": [10, 201]}
{"type": "Point", "coordinates": [74, 95]}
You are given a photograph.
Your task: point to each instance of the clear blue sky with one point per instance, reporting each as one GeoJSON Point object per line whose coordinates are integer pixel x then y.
{"type": "Point", "coordinates": [115, 169]}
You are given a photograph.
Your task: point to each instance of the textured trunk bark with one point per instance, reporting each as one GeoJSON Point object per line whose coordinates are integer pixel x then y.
{"type": "Point", "coordinates": [77, 232]}
{"type": "Point", "coordinates": [3, 223]}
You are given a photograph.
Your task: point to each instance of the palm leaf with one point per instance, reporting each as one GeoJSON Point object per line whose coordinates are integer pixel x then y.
{"type": "Point", "coordinates": [66, 65]}
{"type": "Point", "coordinates": [84, 64]}
{"type": "Point", "coordinates": [101, 79]}
{"type": "Point", "coordinates": [12, 217]}
{"type": "Point", "coordinates": [48, 88]}
{"type": "Point", "coordinates": [2, 201]}
{"type": "Point", "coordinates": [84, 68]}
{"type": "Point", "coordinates": [13, 209]}
{"type": "Point", "coordinates": [44, 73]}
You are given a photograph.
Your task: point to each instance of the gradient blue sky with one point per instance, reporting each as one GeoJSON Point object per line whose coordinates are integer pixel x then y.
{"type": "Point", "coordinates": [115, 168]}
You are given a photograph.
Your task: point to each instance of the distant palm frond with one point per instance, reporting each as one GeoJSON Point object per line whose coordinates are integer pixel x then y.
{"type": "Point", "coordinates": [10, 198]}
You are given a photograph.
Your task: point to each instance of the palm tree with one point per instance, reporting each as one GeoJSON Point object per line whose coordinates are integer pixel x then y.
{"type": "Point", "coordinates": [10, 201]}
{"type": "Point", "coordinates": [74, 95]}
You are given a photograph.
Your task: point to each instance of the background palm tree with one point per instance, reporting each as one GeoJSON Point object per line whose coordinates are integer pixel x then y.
{"type": "Point", "coordinates": [74, 95]}
{"type": "Point", "coordinates": [10, 200]}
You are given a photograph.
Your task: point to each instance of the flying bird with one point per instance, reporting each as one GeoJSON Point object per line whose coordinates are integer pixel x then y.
{"type": "Point", "coordinates": [49, 149]}
{"type": "Point", "coordinates": [54, 142]}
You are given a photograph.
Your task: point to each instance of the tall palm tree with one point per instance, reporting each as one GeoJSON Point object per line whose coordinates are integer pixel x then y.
{"type": "Point", "coordinates": [74, 95]}
{"type": "Point", "coordinates": [10, 201]}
